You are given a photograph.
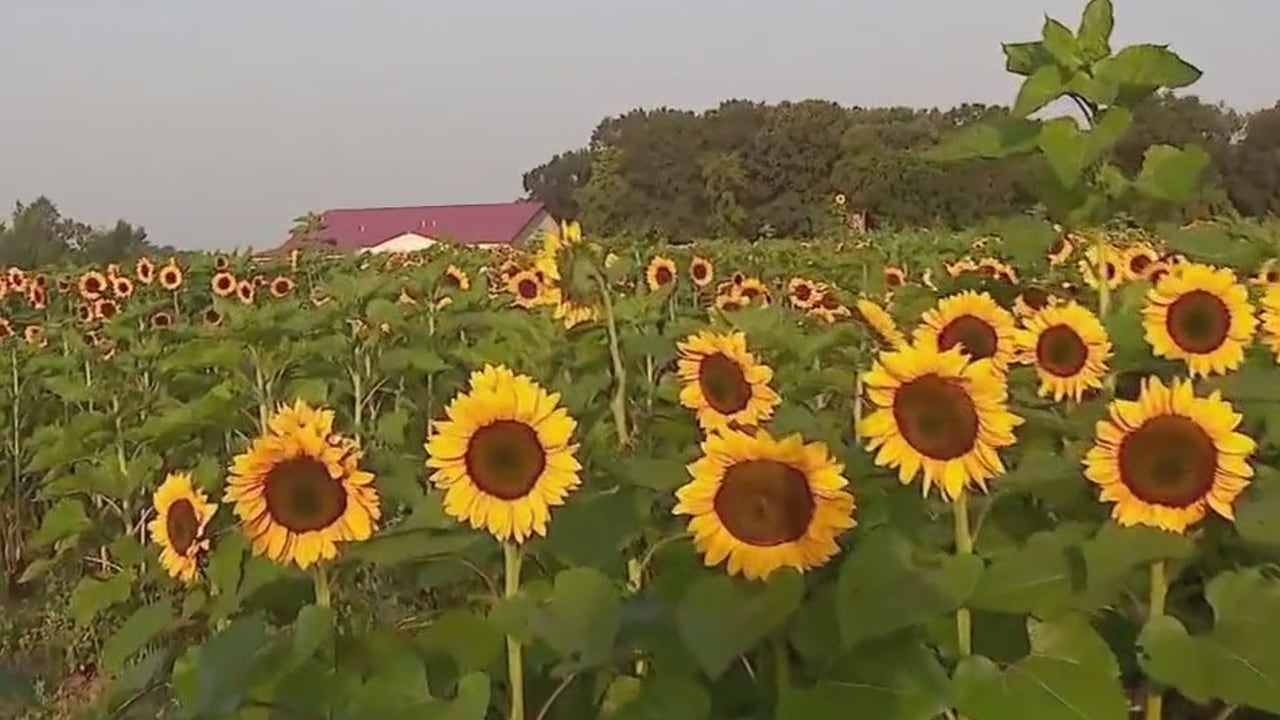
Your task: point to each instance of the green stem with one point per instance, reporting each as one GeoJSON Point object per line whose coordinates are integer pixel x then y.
{"type": "Point", "coordinates": [964, 546]}
{"type": "Point", "coordinates": [1155, 608]}
{"type": "Point", "coordinates": [781, 662]}
{"type": "Point", "coordinates": [511, 561]}
{"type": "Point", "coordinates": [619, 402]}
{"type": "Point", "coordinates": [857, 407]}
{"type": "Point", "coordinates": [1104, 285]}
{"type": "Point", "coordinates": [324, 597]}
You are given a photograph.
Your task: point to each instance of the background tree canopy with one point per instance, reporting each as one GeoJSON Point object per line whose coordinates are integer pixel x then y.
{"type": "Point", "coordinates": [747, 169]}
{"type": "Point", "coordinates": [37, 235]}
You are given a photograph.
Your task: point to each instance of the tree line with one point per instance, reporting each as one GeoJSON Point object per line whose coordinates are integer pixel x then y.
{"type": "Point", "coordinates": [747, 169]}
{"type": "Point", "coordinates": [37, 234]}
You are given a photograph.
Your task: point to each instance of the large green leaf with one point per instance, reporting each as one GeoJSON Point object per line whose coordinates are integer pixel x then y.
{"type": "Point", "coordinates": [1039, 89]}
{"type": "Point", "coordinates": [1148, 66]}
{"type": "Point", "coordinates": [582, 617]}
{"type": "Point", "coordinates": [143, 626]}
{"type": "Point", "coordinates": [1069, 675]}
{"type": "Point", "coordinates": [1117, 555]}
{"type": "Point", "coordinates": [225, 667]}
{"type": "Point", "coordinates": [1038, 578]}
{"type": "Point", "coordinates": [1014, 136]}
{"type": "Point", "coordinates": [892, 678]}
{"type": "Point", "coordinates": [1059, 41]}
{"type": "Point", "coordinates": [659, 696]}
{"type": "Point", "coordinates": [91, 596]}
{"type": "Point", "coordinates": [884, 565]}
{"type": "Point", "coordinates": [1171, 174]}
{"type": "Point", "coordinates": [470, 640]}
{"type": "Point", "coordinates": [1238, 661]}
{"type": "Point", "coordinates": [721, 618]}
{"type": "Point", "coordinates": [1025, 58]}
{"type": "Point", "coordinates": [1094, 33]}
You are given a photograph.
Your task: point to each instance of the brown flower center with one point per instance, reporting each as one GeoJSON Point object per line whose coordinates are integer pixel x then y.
{"type": "Point", "coordinates": [764, 503]}
{"type": "Point", "coordinates": [723, 384]}
{"type": "Point", "coordinates": [1170, 460]}
{"type": "Point", "coordinates": [527, 289]}
{"type": "Point", "coordinates": [976, 337]}
{"type": "Point", "coordinates": [937, 417]}
{"type": "Point", "coordinates": [1198, 322]}
{"type": "Point", "coordinates": [662, 275]}
{"type": "Point", "coordinates": [1061, 351]}
{"type": "Point", "coordinates": [181, 525]}
{"type": "Point", "coordinates": [505, 459]}
{"type": "Point", "coordinates": [803, 292]}
{"type": "Point", "coordinates": [1139, 263]}
{"type": "Point", "coordinates": [302, 496]}
{"type": "Point", "coordinates": [700, 272]}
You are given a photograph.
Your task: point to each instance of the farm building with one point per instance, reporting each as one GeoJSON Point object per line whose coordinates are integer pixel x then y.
{"type": "Point", "coordinates": [407, 229]}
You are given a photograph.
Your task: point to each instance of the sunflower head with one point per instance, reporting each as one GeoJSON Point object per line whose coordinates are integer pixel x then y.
{"type": "Point", "coordinates": [92, 284]}
{"type": "Point", "coordinates": [246, 291]}
{"type": "Point", "coordinates": [182, 514]}
{"type": "Point", "coordinates": [526, 289]}
{"type": "Point", "coordinates": [937, 414]}
{"type": "Point", "coordinates": [281, 286]}
{"type": "Point", "coordinates": [722, 381]}
{"type": "Point", "coordinates": [223, 283]}
{"type": "Point", "coordinates": [661, 272]}
{"type": "Point", "coordinates": [1200, 315]}
{"type": "Point", "coordinates": [881, 324]}
{"type": "Point", "coordinates": [1169, 457]}
{"type": "Point", "coordinates": [894, 276]}
{"type": "Point", "coordinates": [701, 271]}
{"type": "Point", "coordinates": [1068, 347]}
{"type": "Point", "coordinates": [171, 276]}
{"type": "Point", "coordinates": [456, 278]}
{"type": "Point", "coordinates": [802, 292]}
{"type": "Point", "coordinates": [973, 322]}
{"type": "Point", "coordinates": [299, 491]}
{"type": "Point", "coordinates": [762, 504]}
{"type": "Point", "coordinates": [504, 455]}
{"type": "Point", "coordinates": [1271, 319]}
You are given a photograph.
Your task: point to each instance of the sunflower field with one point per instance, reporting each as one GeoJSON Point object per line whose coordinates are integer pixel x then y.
{"type": "Point", "coordinates": [1029, 471]}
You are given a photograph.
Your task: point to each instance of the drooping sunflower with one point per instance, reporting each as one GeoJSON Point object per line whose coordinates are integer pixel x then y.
{"type": "Point", "coordinates": [660, 273]}
{"type": "Point", "coordinates": [1199, 315]}
{"type": "Point", "coordinates": [504, 456]}
{"type": "Point", "coordinates": [730, 301]}
{"type": "Point", "coordinates": [182, 514]}
{"type": "Point", "coordinates": [1033, 300]}
{"type": "Point", "coordinates": [763, 504]}
{"type": "Point", "coordinates": [1069, 349]}
{"type": "Point", "coordinates": [880, 322]}
{"type": "Point", "coordinates": [723, 382]}
{"type": "Point", "coordinates": [701, 271]}
{"type": "Point", "coordinates": [1169, 457]}
{"type": "Point", "coordinates": [960, 266]}
{"type": "Point", "coordinates": [299, 490]}
{"type": "Point", "coordinates": [976, 323]}
{"type": "Point", "coordinates": [938, 414]}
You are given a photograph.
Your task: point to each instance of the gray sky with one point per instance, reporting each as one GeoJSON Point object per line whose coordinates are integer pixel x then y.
{"type": "Point", "coordinates": [214, 123]}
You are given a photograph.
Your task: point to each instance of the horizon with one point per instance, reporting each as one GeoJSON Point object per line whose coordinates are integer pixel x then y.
{"type": "Point", "coordinates": [186, 120]}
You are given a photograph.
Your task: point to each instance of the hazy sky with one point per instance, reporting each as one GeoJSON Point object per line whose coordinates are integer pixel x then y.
{"type": "Point", "coordinates": [214, 123]}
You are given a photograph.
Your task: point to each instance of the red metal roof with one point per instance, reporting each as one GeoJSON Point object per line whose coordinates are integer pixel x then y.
{"type": "Point", "coordinates": [357, 228]}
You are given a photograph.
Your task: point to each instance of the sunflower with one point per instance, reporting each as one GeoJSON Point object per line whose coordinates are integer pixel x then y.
{"type": "Point", "coordinates": [840, 199]}
{"type": "Point", "coordinates": [121, 286]}
{"type": "Point", "coordinates": [456, 277]}
{"type": "Point", "coordinates": [1267, 273]}
{"type": "Point", "coordinates": [878, 320]}
{"type": "Point", "coordinates": [246, 291]}
{"type": "Point", "coordinates": [1088, 266]}
{"type": "Point", "coordinates": [764, 504]}
{"type": "Point", "coordinates": [144, 270]}
{"type": "Point", "coordinates": [212, 317]}
{"type": "Point", "coordinates": [730, 301]}
{"type": "Point", "coordinates": [220, 263]}
{"type": "Point", "coordinates": [723, 383]}
{"type": "Point", "coordinates": [1201, 315]}
{"type": "Point", "coordinates": [894, 276]}
{"type": "Point", "coordinates": [1139, 260]}
{"type": "Point", "coordinates": [1069, 349]}
{"type": "Point", "coordinates": [281, 286]}
{"type": "Point", "coordinates": [1271, 319]}
{"type": "Point", "coordinates": [574, 313]}
{"type": "Point", "coordinates": [1169, 457]}
{"type": "Point", "coordinates": [976, 323]}
{"type": "Point", "coordinates": [171, 276]}
{"type": "Point", "coordinates": [35, 336]}
{"type": "Point", "coordinates": [754, 290]}
{"type": "Point", "coordinates": [223, 284]}
{"type": "Point", "coordinates": [802, 292]}
{"type": "Point", "coordinates": [37, 296]}
{"type": "Point", "coordinates": [1061, 249]}
{"type": "Point", "coordinates": [105, 308]}
{"type": "Point", "coordinates": [299, 491]}
{"type": "Point", "coordinates": [1031, 301]}
{"type": "Point", "coordinates": [938, 414]}
{"type": "Point", "coordinates": [92, 285]}
{"type": "Point", "coordinates": [828, 308]}
{"type": "Point", "coordinates": [526, 288]}
{"type": "Point", "coordinates": [161, 319]}
{"type": "Point", "coordinates": [956, 268]}
{"type": "Point", "coordinates": [660, 273]}
{"type": "Point", "coordinates": [701, 271]}
{"type": "Point", "coordinates": [182, 513]}
{"type": "Point", "coordinates": [504, 456]}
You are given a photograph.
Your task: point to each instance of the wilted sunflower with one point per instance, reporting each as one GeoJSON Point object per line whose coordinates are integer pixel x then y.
{"type": "Point", "coordinates": [456, 277]}
{"type": "Point", "coordinates": [880, 322]}
{"type": "Point", "coordinates": [723, 383]}
{"type": "Point", "coordinates": [1169, 457]}
{"type": "Point", "coordinates": [894, 276]}
{"type": "Point", "coordinates": [765, 504]}
{"type": "Point", "coordinates": [1069, 349]}
{"type": "Point", "coordinates": [939, 415]}
{"type": "Point", "coordinates": [1200, 315]}
{"type": "Point", "coordinates": [223, 284]}
{"type": "Point", "coordinates": [701, 271]}
{"type": "Point", "coordinates": [182, 513]}
{"type": "Point", "coordinates": [171, 275]}
{"type": "Point", "coordinates": [976, 323]}
{"type": "Point", "coordinates": [504, 456]}
{"type": "Point", "coordinates": [660, 273]}
{"type": "Point", "coordinates": [802, 292]}
{"type": "Point", "coordinates": [299, 490]}
{"type": "Point", "coordinates": [281, 286]}
{"type": "Point", "coordinates": [144, 270]}
{"type": "Point", "coordinates": [92, 285]}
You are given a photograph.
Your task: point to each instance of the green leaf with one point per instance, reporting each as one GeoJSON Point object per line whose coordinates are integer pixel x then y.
{"type": "Point", "coordinates": [1069, 675]}
{"type": "Point", "coordinates": [470, 703]}
{"type": "Point", "coordinates": [226, 667]}
{"type": "Point", "coordinates": [1147, 67]}
{"type": "Point", "coordinates": [1014, 136]}
{"type": "Point", "coordinates": [582, 618]}
{"type": "Point", "coordinates": [1025, 58]}
{"type": "Point", "coordinates": [91, 596]}
{"type": "Point", "coordinates": [471, 641]}
{"type": "Point", "coordinates": [143, 626]}
{"type": "Point", "coordinates": [884, 565]}
{"type": "Point", "coordinates": [1037, 578]}
{"type": "Point", "coordinates": [1238, 661]}
{"type": "Point", "coordinates": [721, 618]}
{"type": "Point", "coordinates": [1064, 149]}
{"type": "Point", "coordinates": [1094, 33]}
{"type": "Point", "coordinates": [397, 546]}
{"type": "Point", "coordinates": [1258, 510]}
{"type": "Point", "coordinates": [893, 678]}
{"type": "Point", "coordinates": [1039, 89]}
{"type": "Point", "coordinates": [1060, 43]}
{"type": "Point", "coordinates": [312, 629]}
{"type": "Point", "coordinates": [662, 696]}
{"type": "Point", "coordinates": [63, 520]}
{"type": "Point", "coordinates": [1171, 174]}
{"type": "Point", "coordinates": [591, 529]}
